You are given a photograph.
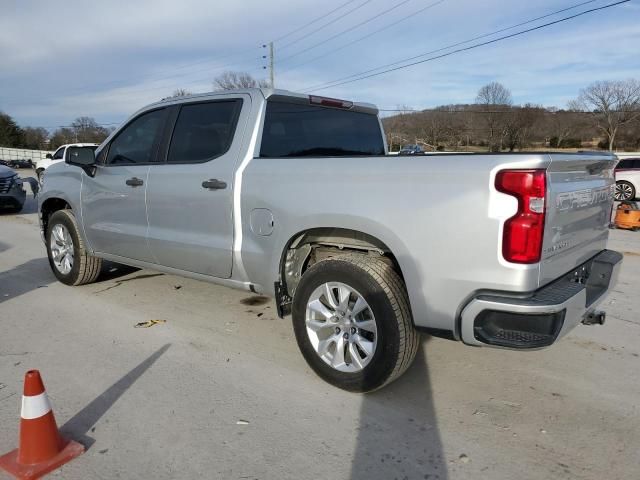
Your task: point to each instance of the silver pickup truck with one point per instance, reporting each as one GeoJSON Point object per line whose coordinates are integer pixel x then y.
{"type": "Point", "coordinates": [293, 196]}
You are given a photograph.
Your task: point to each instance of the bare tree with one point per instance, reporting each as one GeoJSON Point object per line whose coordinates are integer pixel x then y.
{"type": "Point", "coordinates": [614, 104]}
{"type": "Point", "coordinates": [519, 125]}
{"type": "Point", "coordinates": [36, 138]}
{"type": "Point", "coordinates": [180, 92]}
{"type": "Point", "coordinates": [496, 99]}
{"type": "Point", "coordinates": [62, 136]}
{"type": "Point", "coordinates": [234, 80]}
{"type": "Point", "coordinates": [494, 93]}
{"type": "Point", "coordinates": [86, 129]}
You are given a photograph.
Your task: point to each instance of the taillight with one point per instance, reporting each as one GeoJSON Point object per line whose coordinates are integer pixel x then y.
{"type": "Point", "coordinates": [330, 102]}
{"type": "Point", "coordinates": [523, 233]}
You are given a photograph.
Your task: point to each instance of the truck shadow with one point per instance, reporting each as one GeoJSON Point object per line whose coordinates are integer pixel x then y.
{"type": "Point", "coordinates": [24, 278]}
{"type": "Point", "coordinates": [112, 271]}
{"type": "Point", "coordinates": [398, 436]}
{"type": "Point", "coordinates": [36, 273]}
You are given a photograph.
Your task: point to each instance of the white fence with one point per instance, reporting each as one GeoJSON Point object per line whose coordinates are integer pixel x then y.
{"type": "Point", "coordinates": [9, 154]}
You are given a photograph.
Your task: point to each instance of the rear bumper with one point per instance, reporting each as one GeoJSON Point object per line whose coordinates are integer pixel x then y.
{"type": "Point", "coordinates": [538, 319]}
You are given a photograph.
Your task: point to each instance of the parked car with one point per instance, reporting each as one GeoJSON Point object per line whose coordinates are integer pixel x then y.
{"type": "Point", "coordinates": [627, 178]}
{"type": "Point", "coordinates": [292, 196]}
{"type": "Point", "coordinates": [12, 193]}
{"type": "Point", "coordinates": [411, 150]}
{"type": "Point", "coordinates": [57, 156]}
{"type": "Point", "coordinates": [21, 163]}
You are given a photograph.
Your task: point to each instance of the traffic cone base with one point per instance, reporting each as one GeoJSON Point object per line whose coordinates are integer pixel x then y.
{"type": "Point", "coordinates": [69, 451]}
{"type": "Point", "coordinates": [41, 449]}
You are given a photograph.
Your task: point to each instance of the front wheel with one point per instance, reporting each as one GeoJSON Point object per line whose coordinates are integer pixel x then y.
{"type": "Point", "coordinates": [624, 191]}
{"type": "Point", "coordinates": [68, 257]}
{"type": "Point", "coordinates": [353, 323]}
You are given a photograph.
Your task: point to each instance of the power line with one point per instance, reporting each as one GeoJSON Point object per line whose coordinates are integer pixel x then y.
{"type": "Point", "coordinates": [458, 43]}
{"type": "Point", "coordinates": [413, 14]}
{"type": "Point", "coordinates": [312, 22]}
{"type": "Point", "coordinates": [350, 29]}
{"type": "Point", "coordinates": [324, 25]}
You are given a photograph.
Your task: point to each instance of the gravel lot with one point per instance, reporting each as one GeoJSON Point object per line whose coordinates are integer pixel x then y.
{"type": "Point", "coordinates": [220, 390]}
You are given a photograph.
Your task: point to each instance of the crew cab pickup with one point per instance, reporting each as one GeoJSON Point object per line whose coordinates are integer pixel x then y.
{"type": "Point", "coordinates": [294, 196]}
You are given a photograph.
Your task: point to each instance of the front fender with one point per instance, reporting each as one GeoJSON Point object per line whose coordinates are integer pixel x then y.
{"type": "Point", "coordinates": [62, 182]}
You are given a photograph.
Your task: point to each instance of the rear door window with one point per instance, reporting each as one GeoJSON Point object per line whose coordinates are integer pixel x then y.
{"type": "Point", "coordinates": [299, 130]}
{"type": "Point", "coordinates": [204, 131]}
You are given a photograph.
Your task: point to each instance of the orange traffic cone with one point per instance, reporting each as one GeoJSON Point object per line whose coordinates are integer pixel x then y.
{"type": "Point", "coordinates": [41, 447]}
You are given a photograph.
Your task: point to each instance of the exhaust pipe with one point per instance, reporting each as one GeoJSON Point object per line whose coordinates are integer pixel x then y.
{"type": "Point", "coordinates": [594, 317]}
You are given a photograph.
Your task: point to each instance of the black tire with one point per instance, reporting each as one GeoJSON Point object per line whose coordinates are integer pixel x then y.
{"type": "Point", "coordinates": [625, 191]}
{"type": "Point", "coordinates": [86, 267]}
{"type": "Point", "coordinates": [384, 291]}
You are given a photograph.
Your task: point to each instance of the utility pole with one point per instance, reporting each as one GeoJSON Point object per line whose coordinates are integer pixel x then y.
{"type": "Point", "coordinates": [271, 75]}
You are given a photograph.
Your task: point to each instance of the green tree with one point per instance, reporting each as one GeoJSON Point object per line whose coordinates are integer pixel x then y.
{"type": "Point", "coordinates": [11, 135]}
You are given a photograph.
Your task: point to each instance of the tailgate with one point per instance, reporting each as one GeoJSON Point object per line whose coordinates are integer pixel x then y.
{"type": "Point", "coordinates": [579, 201]}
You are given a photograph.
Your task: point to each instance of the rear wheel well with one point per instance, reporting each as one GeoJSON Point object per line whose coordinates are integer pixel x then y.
{"type": "Point", "coordinates": [311, 246]}
{"type": "Point", "coordinates": [50, 206]}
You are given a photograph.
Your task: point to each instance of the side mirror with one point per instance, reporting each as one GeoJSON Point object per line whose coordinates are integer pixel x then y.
{"type": "Point", "coordinates": [83, 157]}
{"type": "Point", "coordinates": [48, 155]}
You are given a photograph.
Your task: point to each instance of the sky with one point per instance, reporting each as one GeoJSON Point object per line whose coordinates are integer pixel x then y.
{"type": "Point", "coordinates": [106, 59]}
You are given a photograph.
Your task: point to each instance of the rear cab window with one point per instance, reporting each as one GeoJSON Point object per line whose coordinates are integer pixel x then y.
{"type": "Point", "coordinates": [299, 130]}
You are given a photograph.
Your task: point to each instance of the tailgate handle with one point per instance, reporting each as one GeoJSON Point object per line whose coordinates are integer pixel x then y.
{"type": "Point", "coordinates": [214, 184]}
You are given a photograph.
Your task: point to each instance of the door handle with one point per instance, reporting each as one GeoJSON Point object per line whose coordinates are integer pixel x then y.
{"type": "Point", "coordinates": [134, 182]}
{"type": "Point", "coordinates": [214, 184]}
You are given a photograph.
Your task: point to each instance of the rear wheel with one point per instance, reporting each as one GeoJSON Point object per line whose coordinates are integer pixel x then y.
{"type": "Point", "coordinates": [624, 191]}
{"type": "Point", "coordinates": [68, 257]}
{"type": "Point", "coordinates": [353, 323]}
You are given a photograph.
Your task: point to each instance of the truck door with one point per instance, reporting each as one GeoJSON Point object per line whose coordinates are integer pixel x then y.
{"type": "Point", "coordinates": [113, 200]}
{"type": "Point", "coordinates": [190, 196]}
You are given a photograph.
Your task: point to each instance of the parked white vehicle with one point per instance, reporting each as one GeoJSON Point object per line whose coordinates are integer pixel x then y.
{"type": "Point", "coordinates": [58, 156]}
{"type": "Point", "coordinates": [628, 176]}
